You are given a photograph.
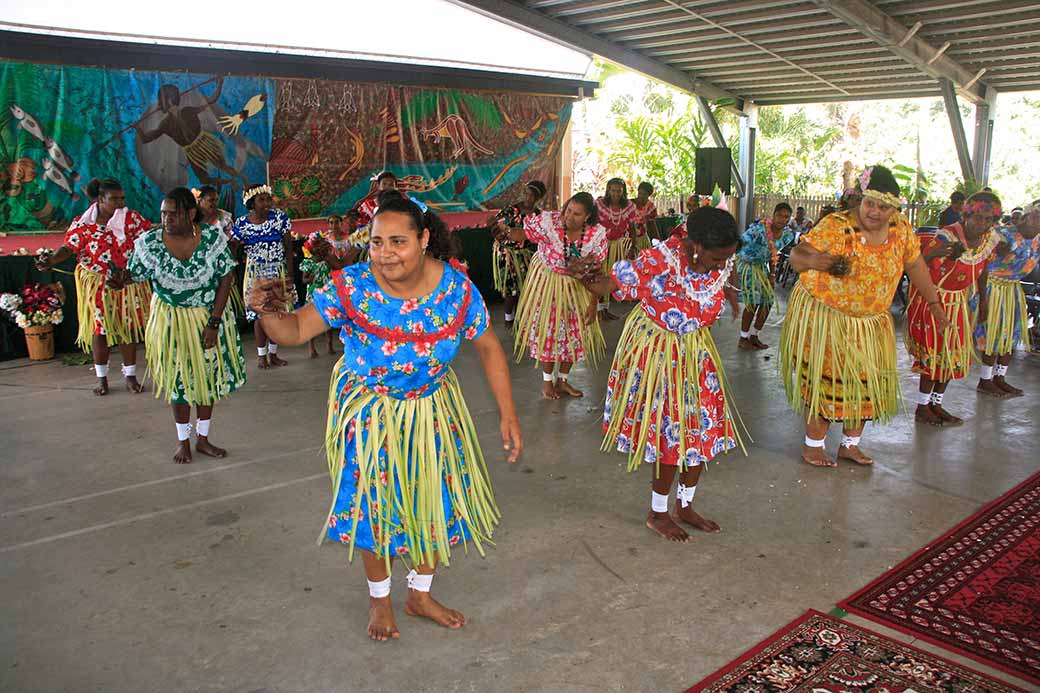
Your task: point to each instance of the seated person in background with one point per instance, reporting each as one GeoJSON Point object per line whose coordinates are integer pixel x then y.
{"type": "Point", "coordinates": [952, 214]}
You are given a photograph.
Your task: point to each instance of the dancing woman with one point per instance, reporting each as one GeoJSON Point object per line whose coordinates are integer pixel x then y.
{"type": "Point", "coordinates": [837, 345]}
{"type": "Point", "coordinates": [756, 265]}
{"type": "Point", "coordinates": [210, 214]}
{"type": "Point", "coordinates": [102, 239]}
{"type": "Point", "coordinates": [511, 259]}
{"type": "Point", "coordinates": [407, 469]}
{"type": "Point", "coordinates": [323, 253]}
{"type": "Point", "coordinates": [666, 395]}
{"type": "Point", "coordinates": [646, 218]}
{"type": "Point", "coordinates": [617, 215]}
{"type": "Point", "coordinates": [553, 321]}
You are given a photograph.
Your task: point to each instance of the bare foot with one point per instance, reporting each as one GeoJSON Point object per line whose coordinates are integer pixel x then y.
{"type": "Point", "coordinates": [854, 454]}
{"type": "Point", "coordinates": [1006, 386]}
{"type": "Point", "coordinates": [565, 388]}
{"type": "Point", "coordinates": [182, 455]}
{"type": "Point", "coordinates": [275, 361]}
{"type": "Point", "coordinates": [948, 419]}
{"type": "Point", "coordinates": [663, 524]}
{"type": "Point", "coordinates": [549, 390]}
{"type": "Point", "coordinates": [757, 343]}
{"type": "Point", "coordinates": [313, 353]}
{"type": "Point", "coordinates": [423, 605]}
{"type": "Point", "coordinates": [696, 521]}
{"type": "Point", "coordinates": [207, 448]}
{"type": "Point", "coordinates": [261, 362]}
{"type": "Point", "coordinates": [133, 386]}
{"type": "Point", "coordinates": [381, 623]}
{"type": "Point", "coordinates": [925, 414]}
{"type": "Point", "coordinates": [817, 457]}
{"type": "Point", "coordinates": [991, 389]}
{"type": "Point", "coordinates": [102, 387]}
{"type": "Point", "coordinates": [745, 344]}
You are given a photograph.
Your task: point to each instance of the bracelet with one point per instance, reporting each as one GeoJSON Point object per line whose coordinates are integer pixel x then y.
{"type": "Point", "coordinates": [214, 322]}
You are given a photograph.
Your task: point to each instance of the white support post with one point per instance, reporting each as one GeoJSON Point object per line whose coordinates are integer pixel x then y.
{"type": "Point", "coordinates": [748, 131]}
{"type": "Point", "coordinates": [984, 118]}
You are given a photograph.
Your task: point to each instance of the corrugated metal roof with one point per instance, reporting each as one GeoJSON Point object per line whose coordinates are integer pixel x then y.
{"type": "Point", "coordinates": [772, 52]}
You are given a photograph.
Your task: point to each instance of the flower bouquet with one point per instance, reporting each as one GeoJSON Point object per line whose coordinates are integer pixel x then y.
{"type": "Point", "coordinates": [36, 309]}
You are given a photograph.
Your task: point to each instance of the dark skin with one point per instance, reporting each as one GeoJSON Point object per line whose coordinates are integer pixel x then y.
{"type": "Point", "coordinates": [702, 260]}
{"type": "Point", "coordinates": [262, 205]}
{"type": "Point", "coordinates": [1029, 226]}
{"type": "Point", "coordinates": [323, 250]}
{"type": "Point", "coordinates": [527, 206]}
{"type": "Point", "coordinates": [613, 197]}
{"type": "Point", "coordinates": [975, 226]}
{"type": "Point", "coordinates": [403, 270]}
{"type": "Point", "coordinates": [757, 315]}
{"type": "Point", "coordinates": [871, 218]}
{"type": "Point", "coordinates": [107, 204]}
{"type": "Point", "coordinates": [575, 217]}
{"type": "Point", "coordinates": [181, 238]}
{"type": "Point", "coordinates": [642, 198]}
{"type": "Point", "coordinates": [182, 125]}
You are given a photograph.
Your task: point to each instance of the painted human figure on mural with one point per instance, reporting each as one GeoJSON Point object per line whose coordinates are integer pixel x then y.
{"type": "Point", "coordinates": [182, 124]}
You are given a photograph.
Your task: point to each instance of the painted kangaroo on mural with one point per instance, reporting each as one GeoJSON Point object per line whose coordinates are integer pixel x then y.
{"type": "Point", "coordinates": [454, 128]}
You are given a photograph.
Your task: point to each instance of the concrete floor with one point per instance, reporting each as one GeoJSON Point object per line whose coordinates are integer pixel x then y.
{"type": "Point", "coordinates": [122, 572]}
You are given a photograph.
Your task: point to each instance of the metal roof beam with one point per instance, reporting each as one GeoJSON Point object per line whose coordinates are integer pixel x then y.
{"type": "Point", "coordinates": [889, 33]}
{"type": "Point", "coordinates": [553, 29]}
{"type": "Point", "coordinates": [953, 111]}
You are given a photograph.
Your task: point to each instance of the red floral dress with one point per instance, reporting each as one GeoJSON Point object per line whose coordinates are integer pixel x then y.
{"type": "Point", "coordinates": [615, 221]}
{"type": "Point", "coordinates": [98, 250]}
{"type": "Point", "coordinates": [646, 216]}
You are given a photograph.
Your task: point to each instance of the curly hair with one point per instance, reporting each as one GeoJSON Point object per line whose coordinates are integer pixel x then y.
{"type": "Point", "coordinates": [443, 243]}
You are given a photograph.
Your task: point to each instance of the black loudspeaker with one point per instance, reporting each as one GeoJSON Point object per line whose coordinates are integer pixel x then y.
{"type": "Point", "coordinates": [713, 166]}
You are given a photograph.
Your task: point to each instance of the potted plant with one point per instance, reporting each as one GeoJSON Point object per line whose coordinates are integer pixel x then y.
{"type": "Point", "coordinates": [36, 309]}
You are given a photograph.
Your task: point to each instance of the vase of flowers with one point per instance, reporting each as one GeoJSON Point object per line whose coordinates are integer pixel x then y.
{"type": "Point", "coordinates": [36, 309]}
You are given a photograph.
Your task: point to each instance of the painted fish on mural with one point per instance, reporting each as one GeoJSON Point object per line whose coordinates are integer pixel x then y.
{"type": "Point", "coordinates": [27, 122]}
{"type": "Point", "coordinates": [52, 173]}
{"type": "Point", "coordinates": [63, 160]}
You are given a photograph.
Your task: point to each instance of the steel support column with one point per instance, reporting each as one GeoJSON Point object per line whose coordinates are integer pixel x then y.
{"type": "Point", "coordinates": [720, 141]}
{"type": "Point", "coordinates": [957, 127]}
{"type": "Point", "coordinates": [748, 131]}
{"type": "Point", "coordinates": [981, 154]}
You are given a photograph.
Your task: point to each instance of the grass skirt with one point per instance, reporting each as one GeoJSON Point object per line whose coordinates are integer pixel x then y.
{"type": "Point", "coordinates": [400, 489]}
{"type": "Point", "coordinates": [755, 287]}
{"type": "Point", "coordinates": [836, 366]}
{"type": "Point", "coordinates": [550, 319]}
{"type": "Point", "coordinates": [641, 242]}
{"type": "Point", "coordinates": [184, 372]}
{"type": "Point", "coordinates": [938, 355]}
{"type": "Point", "coordinates": [119, 314]}
{"type": "Point", "coordinates": [666, 397]}
{"type": "Point", "coordinates": [508, 268]}
{"type": "Point", "coordinates": [238, 306]}
{"type": "Point", "coordinates": [616, 250]}
{"type": "Point", "coordinates": [1007, 320]}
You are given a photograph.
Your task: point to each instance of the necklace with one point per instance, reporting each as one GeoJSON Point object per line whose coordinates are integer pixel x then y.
{"type": "Point", "coordinates": [693, 294]}
{"type": "Point", "coordinates": [614, 217]}
{"type": "Point", "coordinates": [978, 255]}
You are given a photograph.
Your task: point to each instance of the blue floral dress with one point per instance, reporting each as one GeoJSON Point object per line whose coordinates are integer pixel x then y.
{"type": "Point", "coordinates": [408, 473]}
{"type": "Point", "coordinates": [1008, 313]}
{"type": "Point", "coordinates": [756, 261]}
{"type": "Point", "coordinates": [265, 251]}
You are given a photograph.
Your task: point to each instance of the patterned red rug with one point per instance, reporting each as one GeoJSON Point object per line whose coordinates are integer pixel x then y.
{"type": "Point", "coordinates": [819, 654]}
{"type": "Point", "coordinates": [975, 590]}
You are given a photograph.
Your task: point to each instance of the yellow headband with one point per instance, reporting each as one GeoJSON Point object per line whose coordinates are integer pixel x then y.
{"type": "Point", "coordinates": [247, 195]}
{"type": "Point", "coordinates": [887, 198]}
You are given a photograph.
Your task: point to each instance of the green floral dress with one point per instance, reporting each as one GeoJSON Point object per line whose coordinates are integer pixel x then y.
{"type": "Point", "coordinates": [184, 291]}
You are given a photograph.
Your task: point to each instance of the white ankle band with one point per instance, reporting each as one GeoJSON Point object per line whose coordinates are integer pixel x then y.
{"type": "Point", "coordinates": [813, 443]}
{"type": "Point", "coordinates": [509, 317]}
{"type": "Point", "coordinates": [684, 494]}
{"type": "Point", "coordinates": [419, 582]}
{"type": "Point", "coordinates": [379, 589]}
{"type": "Point", "coordinates": [130, 371]}
{"type": "Point", "coordinates": [101, 370]}
{"type": "Point", "coordinates": [261, 351]}
{"type": "Point", "coordinates": [924, 398]}
{"type": "Point", "coordinates": [183, 431]}
{"type": "Point", "coordinates": [987, 373]}
{"type": "Point", "coordinates": [753, 332]}
{"type": "Point", "coordinates": [272, 347]}
{"type": "Point", "coordinates": [658, 502]}
{"type": "Point", "coordinates": [744, 334]}
{"type": "Point", "coordinates": [547, 377]}
{"type": "Point", "coordinates": [849, 441]}
{"type": "Point", "coordinates": [202, 427]}
{"type": "Point", "coordinates": [937, 397]}
{"type": "Point", "coordinates": [1000, 369]}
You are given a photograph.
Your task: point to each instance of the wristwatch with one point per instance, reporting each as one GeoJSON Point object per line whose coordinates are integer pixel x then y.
{"type": "Point", "coordinates": [214, 322]}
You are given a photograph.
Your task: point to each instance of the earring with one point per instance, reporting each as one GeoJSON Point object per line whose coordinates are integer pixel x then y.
{"type": "Point", "coordinates": [695, 256]}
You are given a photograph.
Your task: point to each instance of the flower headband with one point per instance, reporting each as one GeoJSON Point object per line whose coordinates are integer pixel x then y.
{"type": "Point", "coordinates": [883, 197]}
{"type": "Point", "coordinates": [247, 195]}
{"type": "Point", "coordinates": [987, 208]}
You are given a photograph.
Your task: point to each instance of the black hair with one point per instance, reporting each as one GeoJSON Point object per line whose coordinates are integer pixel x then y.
{"type": "Point", "coordinates": [882, 180]}
{"type": "Point", "coordinates": [386, 195]}
{"type": "Point", "coordinates": [624, 191]}
{"type": "Point", "coordinates": [384, 175]}
{"type": "Point", "coordinates": [648, 187]}
{"type": "Point", "coordinates": [539, 188]}
{"type": "Point", "coordinates": [800, 209]}
{"type": "Point", "coordinates": [206, 190]}
{"type": "Point", "coordinates": [250, 203]}
{"type": "Point", "coordinates": [588, 202]}
{"type": "Point", "coordinates": [784, 205]}
{"type": "Point", "coordinates": [443, 243]}
{"type": "Point", "coordinates": [712, 227]}
{"type": "Point", "coordinates": [183, 199]}
{"type": "Point", "coordinates": [101, 186]}
{"type": "Point", "coordinates": [957, 196]}
{"type": "Point", "coordinates": [334, 216]}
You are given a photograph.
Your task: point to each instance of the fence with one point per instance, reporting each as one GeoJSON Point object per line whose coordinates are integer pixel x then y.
{"type": "Point", "coordinates": [764, 204]}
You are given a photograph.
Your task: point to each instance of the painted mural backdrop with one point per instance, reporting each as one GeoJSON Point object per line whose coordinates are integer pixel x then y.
{"type": "Point", "coordinates": [60, 126]}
